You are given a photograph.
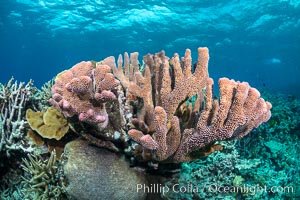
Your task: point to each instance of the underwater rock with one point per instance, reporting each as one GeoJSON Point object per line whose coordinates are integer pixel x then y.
{"type": "Point", "coordinates": [95, 173]}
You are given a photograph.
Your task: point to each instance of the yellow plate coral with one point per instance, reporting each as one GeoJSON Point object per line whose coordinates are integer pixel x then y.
{"type": "Point", "coordinates": [50, 124]}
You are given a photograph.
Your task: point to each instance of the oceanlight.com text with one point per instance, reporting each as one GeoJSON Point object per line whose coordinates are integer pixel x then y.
{"type": "Point", "coordinates": [249, 189]}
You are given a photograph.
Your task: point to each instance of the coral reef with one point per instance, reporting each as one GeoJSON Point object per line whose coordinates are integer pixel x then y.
{"type": "Point", "coordinates": [246, 177]}
{"type": "Point", "coordinates": [276, 144]}
{"type": "Point", "coordinates": [48, 128]}
{"type": "Point", "coordinates": [203, 174]}
{"type": "Point", "coordinates": [43, 178]}
{"type": "Point", "coordinates": [44, 95]}
{"type": "Point", "coordinates": [14, 99]}
{"type": "Point", "coordinates": [286, 118]}
{"type": "Point", "coordinates": [165, 87]}
{"type": "Point", "coordinates": [157, 103]}
{"type": "Point", "coordinates": [266, 158]}
{"type": "Point", "coordinates": [157, 115]}
{"type": "Point", "coordinates": [10, 185]}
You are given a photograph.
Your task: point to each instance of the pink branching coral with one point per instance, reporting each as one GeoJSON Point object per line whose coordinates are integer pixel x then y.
{"type": "Point", "coordinates": [168, 126]}
{"type": "Point", "coordinates": [91, 93]}
{"type": "Point", "coordinates": [239, 110]}
{"type": "Point", "coordinates": [166, 105]}
{"type": "Point", "coordinates": [84, 91]}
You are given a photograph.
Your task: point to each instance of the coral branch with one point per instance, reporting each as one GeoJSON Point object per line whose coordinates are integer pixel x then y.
{"type": "Point", "coordinates": [239, 110]}
{"type": "Point", "coordinates": [124, 74]}
{"type": "Point", "coordinates": [14, 98]}
{"type": "Point", "coordinates": [166, 106]}
{"type": "Point", "coordinates": [176, 130]}
{"type": "Point", "coordinates": [86, 91]}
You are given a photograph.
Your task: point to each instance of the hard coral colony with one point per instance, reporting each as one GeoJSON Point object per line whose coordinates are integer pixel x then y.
{"type": "Point", "coordinates": [166, 106]}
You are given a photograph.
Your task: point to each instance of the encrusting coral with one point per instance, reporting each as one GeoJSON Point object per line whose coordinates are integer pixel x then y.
{"type": "Point", "coordinates": [167, 106]}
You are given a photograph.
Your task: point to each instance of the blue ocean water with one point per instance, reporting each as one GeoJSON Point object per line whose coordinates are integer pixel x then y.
{"type": "Point", "coordinates": [249, 40]}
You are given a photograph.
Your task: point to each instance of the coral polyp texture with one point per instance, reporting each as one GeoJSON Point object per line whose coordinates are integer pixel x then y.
{"type": "Point", "coordinates": [239, 110]}
{"type": "Point", "coordinates": [83, 90]}
{"type": "Point", "coordinates": [167, 104]}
